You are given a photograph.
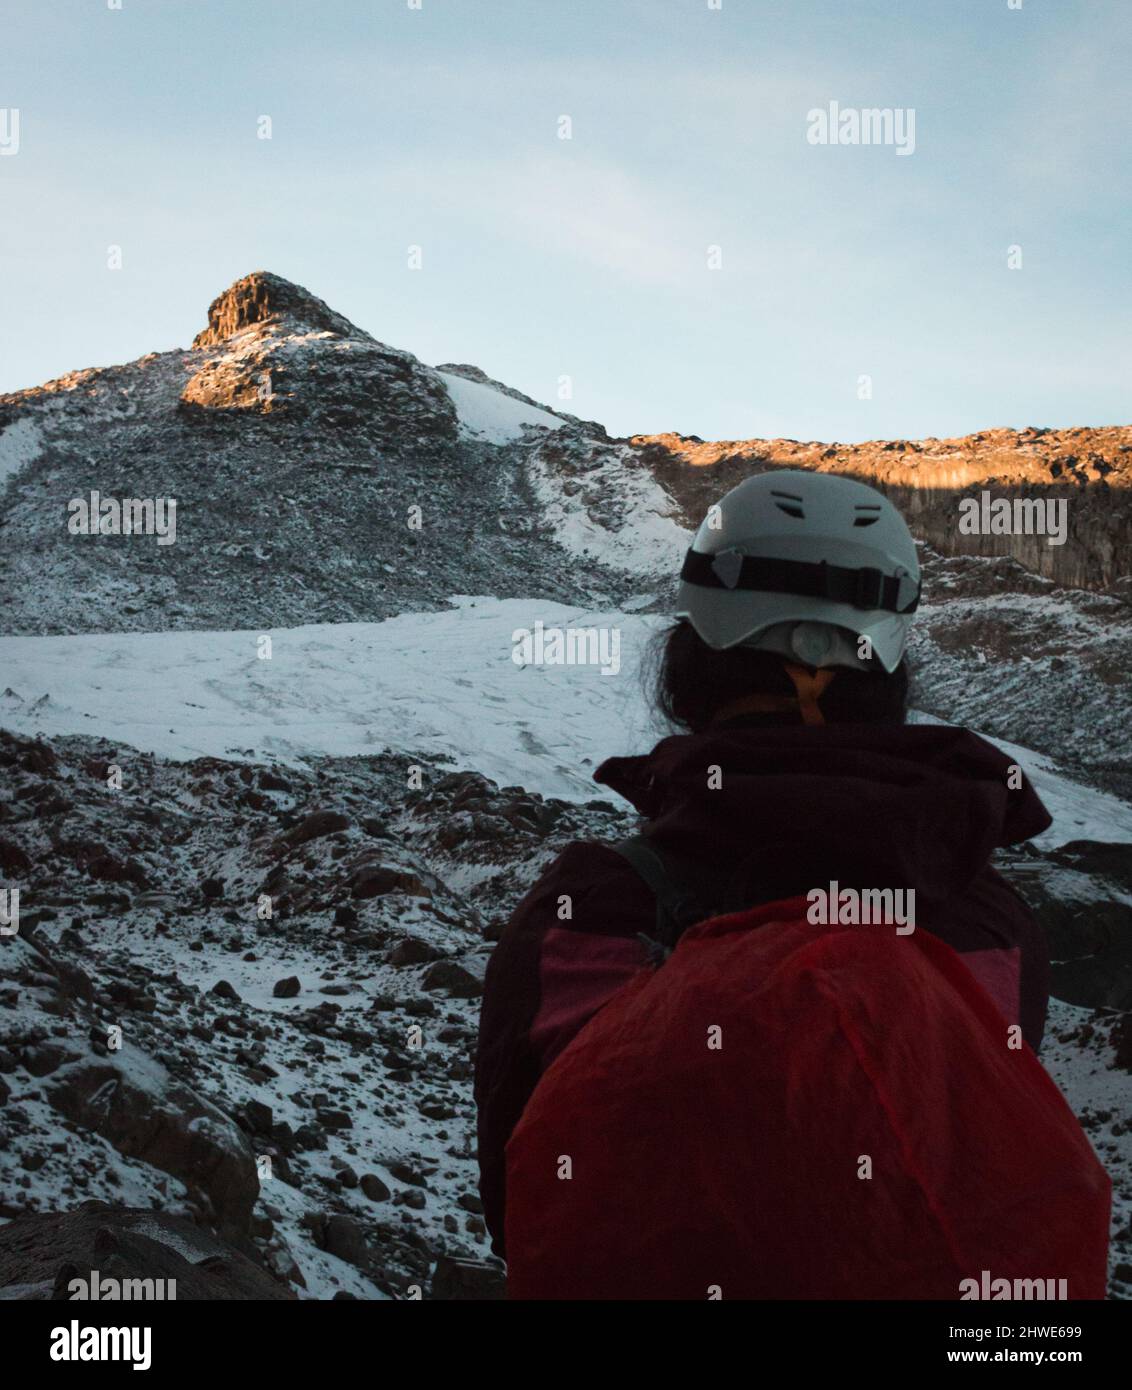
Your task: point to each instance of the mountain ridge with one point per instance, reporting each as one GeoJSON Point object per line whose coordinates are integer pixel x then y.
{"type": "Point", "coordinates": [272, 348]}
{"type": "Point", "coordinates": [323, 476]}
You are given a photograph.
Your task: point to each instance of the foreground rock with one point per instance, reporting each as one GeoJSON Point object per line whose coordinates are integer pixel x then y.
{"type": "Point", "coordinates": [1080, 894]}
{"type": "Point", "coordinates": [461, 1280]}
{"type": "Point", "coordinates": [131, 1100]}
{"type": "Point", "coordinates": [41, 1255]}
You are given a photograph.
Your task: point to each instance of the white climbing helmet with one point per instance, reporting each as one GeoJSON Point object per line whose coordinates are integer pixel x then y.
{"type": "Point", "coordinates": [804, 564]}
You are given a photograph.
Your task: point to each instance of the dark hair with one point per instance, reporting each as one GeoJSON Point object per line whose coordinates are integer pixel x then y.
{"type": "Point", "coordinates": [692, 682]}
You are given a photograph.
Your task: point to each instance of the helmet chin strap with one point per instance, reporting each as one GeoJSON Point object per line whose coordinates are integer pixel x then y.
{"type": "Point", "coordinates": [808, 684]}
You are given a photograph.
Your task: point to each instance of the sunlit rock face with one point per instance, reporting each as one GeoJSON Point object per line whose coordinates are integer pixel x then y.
{"type": "Point", "coordinates": [261, 298]}
{"type": "Point", "coordinates": [272, 347]}
{"type": "Point", "coordinates": [1085, 473]}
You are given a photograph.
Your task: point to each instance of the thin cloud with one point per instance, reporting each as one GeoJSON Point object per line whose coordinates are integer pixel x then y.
{"type": "Point", "coordinates": [573, 208]}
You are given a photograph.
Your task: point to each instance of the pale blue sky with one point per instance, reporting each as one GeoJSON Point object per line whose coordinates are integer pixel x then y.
{"type": "Point", "coordinates": [588, 257]}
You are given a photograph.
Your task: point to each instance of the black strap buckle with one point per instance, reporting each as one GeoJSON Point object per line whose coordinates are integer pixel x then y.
{"type": "Point", "coordinates": [868, 589]}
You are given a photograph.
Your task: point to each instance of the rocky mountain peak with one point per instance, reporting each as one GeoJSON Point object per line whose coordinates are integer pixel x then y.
{"type": "Point", "coordinates": [262, 297]}
{"type": "Point", "coordinates": [272, 348]}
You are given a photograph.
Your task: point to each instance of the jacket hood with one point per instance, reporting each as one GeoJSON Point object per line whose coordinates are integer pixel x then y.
{"type": "Point", "coordinates": [919, 806]}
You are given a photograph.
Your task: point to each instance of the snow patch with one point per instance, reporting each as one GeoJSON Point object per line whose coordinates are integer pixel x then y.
{"type": "Point", "coordinates": [442, 683]}
{"type": "Point", "coordinates": [613, 513]}
{"type": "Point", "coordinates": [491, 416]}
{"type": "Point", "coordinates": [1078, 1053]}
{"type": "Point", "coordinates": [20, 444]}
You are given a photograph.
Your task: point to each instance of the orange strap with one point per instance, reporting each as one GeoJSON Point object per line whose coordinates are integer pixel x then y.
{"type": "Point", "coordinates": [808, 684]}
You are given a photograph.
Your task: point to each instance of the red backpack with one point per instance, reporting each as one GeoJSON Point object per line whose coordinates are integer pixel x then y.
{"type": "Point", "coordinates": [787, 1111]}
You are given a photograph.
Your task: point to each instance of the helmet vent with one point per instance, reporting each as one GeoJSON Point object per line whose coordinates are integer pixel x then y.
{"type": "Point", "coordinates": [870, 514]}
{"type": "Point", "coordinates": [790, 504]}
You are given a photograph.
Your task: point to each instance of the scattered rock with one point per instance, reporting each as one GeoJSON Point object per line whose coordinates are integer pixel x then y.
{"type": "Point", "coordinates": [333, 1119]}
{"type": "Point", "coordinates": [313, 827]}
{"type": "Point", "coordinates": [46, 1058]}
{"type": "Point", "coordinates": [410, 950]}
{"type": "Point", "coordinates": [459, 1279]}
{"type": "Point", "coordinates": [457, 979]}
{"type": "Point", "coordinates": [41, 1253]}
{"type": "Point", "coordinates": [344, 1238]}
{"type": "Point", "coordinates": [405, 1172]}
{"type": "Point", "coordinates": [373, 880]}
{"type": "Point", "coordinates": [260, 1116]}
{"type": "Point", "coordinates": [13, 861]}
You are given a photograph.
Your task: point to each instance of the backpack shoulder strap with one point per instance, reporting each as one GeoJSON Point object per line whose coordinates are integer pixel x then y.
{"type": "Point", "coordinates": [683, 888]}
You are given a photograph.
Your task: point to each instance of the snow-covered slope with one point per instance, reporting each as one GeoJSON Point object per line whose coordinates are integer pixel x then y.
{"type": "Point", "coordinates": [20, 443]}
{"type": "Point", "coordinates": [323, 476]}
{"type": "Point", "coordinates": [606, 508]}
{"type": "Point", "coordinates": [442, 683]}
{"type": "Point", "coordinates": [142, 909]}
{"type": "Point", "coordinates": [490, 416]}
{"type": "Point", "coordinates": [160, 896]}
{"type": "Point", "coordinates": [319, 474]}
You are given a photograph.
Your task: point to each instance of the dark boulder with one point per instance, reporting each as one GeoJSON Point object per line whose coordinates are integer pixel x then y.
{"type": "Point", "coordinates": [457, 1279]}
{"type": "Point", "coordinates": [134, 1103]}
{"type": "Point", "coordinates": [455, 978]}
{"type": "Point", "coordinates": [43, 1253]}
{"type": "Point", "coordinates": [313, 827]}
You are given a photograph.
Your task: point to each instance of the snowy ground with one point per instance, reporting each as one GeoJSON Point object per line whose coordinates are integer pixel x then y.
{"type": "Point", "coordinates": [605, 508]}
{"type": "Point", "coordinates": [19, 444]}
{"type": "Point", "coordinates": [491, 416]}
{"type": "Point", "coordinates": [1078, 1053]}
{"type": "Point", "coordinates": [353, 1099]}
{"type": "Point", "coordinates": [442, 683]}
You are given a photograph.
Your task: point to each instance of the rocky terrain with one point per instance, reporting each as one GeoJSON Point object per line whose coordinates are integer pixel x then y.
{"type": "Point", "coordinates": [1090, 470]}
{"type": "Point", "coordinates": [242, 1001]}
{"type": "Point", "coordinates": [1018, 658]}
{"type": "Point", "coordinates": [42, 1253]}
{"type": "Point", "coordinates": [301, 1081]}
{"type": "Point", "coordinates": [296, 443]}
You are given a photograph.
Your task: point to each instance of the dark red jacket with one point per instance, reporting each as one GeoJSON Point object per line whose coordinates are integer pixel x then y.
{"type": "Point", "coordinates": [917, 806]}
